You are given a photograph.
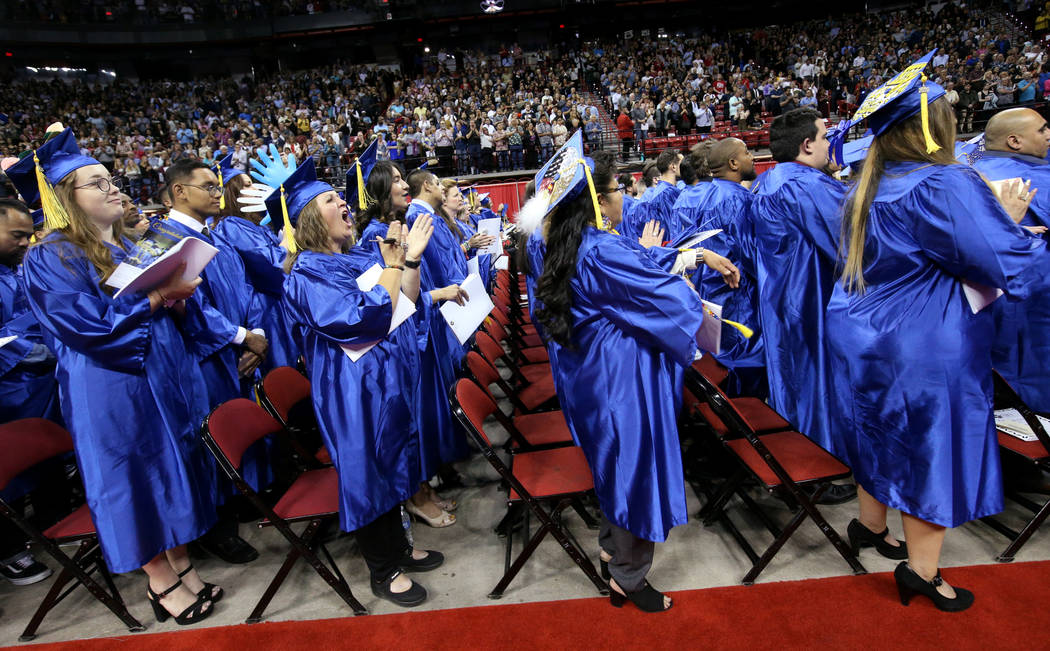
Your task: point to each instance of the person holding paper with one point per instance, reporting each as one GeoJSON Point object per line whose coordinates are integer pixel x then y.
{"type": "Point", "coordinates": [911, 389]}
{"type": "Point", "coordinates": [364, 408]}
{"type": "Point", "coordinates": [441, 439]}
{"type": "Point", "coordinates": [132, 394]}
{"type": "Point", "coordinates": [621, 331]}
{"type": "Point", "coordinates": [454, 209]}
{"type": "Point", "coordinates": [1016, 142]}
{"type": "Point", "coordinates": [241, 226]}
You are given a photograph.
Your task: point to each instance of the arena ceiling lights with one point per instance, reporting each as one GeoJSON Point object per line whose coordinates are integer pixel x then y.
{"type": "Point", "coordinates": [492, 6]}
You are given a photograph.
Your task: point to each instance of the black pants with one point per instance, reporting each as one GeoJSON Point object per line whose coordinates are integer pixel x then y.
{"type": "Point", "coordinates": [631, 556]}
{"type": "Point", "coordinates": [383, 544]}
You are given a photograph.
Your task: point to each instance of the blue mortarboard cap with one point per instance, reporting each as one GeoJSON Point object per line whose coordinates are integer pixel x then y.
{"type": "Point", "coordinates": [856, 150]}
{"type": "Point", "coordinates": [289, 200]}
{"type": "Point", "coordinates": [224, 171]}
{"type": "Point", "coordinates": [357, 176]}
{"type": "Point", "coordinates": [58, 157]}
{"type": "Point", "coordinates": [565, 175]}
{"type": "Point", "coordinates": [903, 96]}
{"type": "Point", "coordinates": [38, 218]}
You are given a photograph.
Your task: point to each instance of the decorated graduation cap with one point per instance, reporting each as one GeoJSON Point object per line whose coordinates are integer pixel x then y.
{"type": "Point", "coordinates": [971, 151]}
{"type": "Point", "coordinates": [560, 180]}
{"type": "Point", "coordinates": [36, 175]}
{"type": "Point", "coordinates": [289, 199]}
{"type": "Point", "coordinates": [357, 175]}
{"type": "Point", "coordinates": [906, 94]}
{"type": "Point", "coordinates": [225, 171]}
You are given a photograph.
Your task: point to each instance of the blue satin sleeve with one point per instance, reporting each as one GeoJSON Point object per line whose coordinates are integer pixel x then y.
{"type": "Point", "coordinates": [816, 210]}
{"type": "Point", "coordinates": [207, 330]}
{"type": "Point", "coordinates": [645, 301]}
{"type": "Point", "coordinates": [15, 351]}
{"type": "Point", "coordinates": [260, 252]}
{"type": "Point", "coordinates": [446, 265]}
{"type": "Point", "coordinates": [663, 256]}
{"type": "Point", "coordinates": [962, 227]}
{"type": "Point", "coordinates": [340, 313]}
{"type": "Point", "coordinates": [114, 333]}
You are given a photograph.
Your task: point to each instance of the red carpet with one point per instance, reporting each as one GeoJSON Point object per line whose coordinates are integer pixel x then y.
{"type": "Point", "coordinates": [852, 612]}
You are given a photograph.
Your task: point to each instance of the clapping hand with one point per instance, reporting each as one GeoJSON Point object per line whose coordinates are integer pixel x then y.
{"type": "Point", "coordinates": [419, 236]}
{"type": "Point", "coordinates": [393, 247]}
{"type": "Point", "coordinates": [652, 234]}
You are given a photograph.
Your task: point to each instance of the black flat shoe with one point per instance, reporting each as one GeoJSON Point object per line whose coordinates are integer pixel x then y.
{"type": "Point", "coordinates": [648, 599]}
{"type": "Point", "coordinates": [861, 536]}
{"type": "Point", "coordinates": [414, 596]}
{"type": "Point", "coordinates": [194, 613]}
{"type": "Point", "coordinates": [431, 561]}
{"type": "Point", "coordinates": [836, 494]}
{"type": "Point", "coordinates": [231, 549]}
{"type": "Point", "coordinates": [210, 591]}
{"type": "Point", "coordinates": [910, 584]}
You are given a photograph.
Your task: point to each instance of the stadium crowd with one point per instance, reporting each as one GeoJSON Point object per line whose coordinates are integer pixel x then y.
{"type": "Point", "coordinates": [156, 12]}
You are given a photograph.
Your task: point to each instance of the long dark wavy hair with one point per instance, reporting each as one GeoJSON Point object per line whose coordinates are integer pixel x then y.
{"type": "Point", "coordinates": [378, 186]}
{"type": "Point", "coordinates": [564, 235]}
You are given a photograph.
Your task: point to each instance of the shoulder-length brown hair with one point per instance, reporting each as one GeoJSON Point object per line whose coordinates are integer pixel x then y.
{"type": "Point", "coordinates": [84, 235]}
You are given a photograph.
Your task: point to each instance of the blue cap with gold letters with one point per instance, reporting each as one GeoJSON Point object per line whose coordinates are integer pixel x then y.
{"type": "Point", "coordinates": [292, 196]}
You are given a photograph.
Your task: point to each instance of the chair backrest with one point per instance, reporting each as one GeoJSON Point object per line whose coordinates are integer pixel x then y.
{"type": "Point", "coordinates": [237, 424]}
{"type": "Point", "coordinates": [489, 347]}
{"type": "Point", "coordinates": [482, 369]}
{"type": "Point", "coordinates": [1007, 397]}
{"type": "Point", "coordinates": [720, 403]}
{"type": "Point", "coordinates": [492, 327]}
{"type": "Point", "coordinates": [711, 369]}
{"type": "Point", "coordinates": [27, 442]}
{"type": "Point", "coordinates": [285, 387]}
{"type": "Point", "coordinates": [476, 405]}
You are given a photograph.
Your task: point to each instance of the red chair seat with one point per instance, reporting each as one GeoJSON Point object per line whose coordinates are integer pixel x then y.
{"type": "Point", "coordinates": [314, 493]}
{"type": "Point", "coordinates": [1032, 449]}
{"type": "Point", "coordinates": [760, 416]}
{"type": "Point", "coordinates": [538, 392]}
{"type": "Point", "coordinates": [544, 428]}
{"type": "Point", "coordinates": [75, 525]}
{"type": "Point", "coordinates": [531, 341]}
{"type": "Point", "coordinates": [547, 473]}
{"type": "Point", "coordinates": [536, 372]}
{"type": "Point", "coordinates": [803, 459]}
{"type": "Point", "coordinates": [535, 354]}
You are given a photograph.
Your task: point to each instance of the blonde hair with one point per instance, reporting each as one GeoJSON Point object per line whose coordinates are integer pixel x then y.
{"type": "Point", "coordinates": [311, 234]}
{"type": "Point", "coordinates": [903, 142]}
{"type": "Point", "coordinates": [450, 220]}
{"type": "Point", "coordinates": [84, 235]}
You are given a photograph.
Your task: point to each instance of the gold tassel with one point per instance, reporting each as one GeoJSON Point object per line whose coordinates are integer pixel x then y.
{"type": "Point", "coordinates": [924, 111]}
{"type": "Point", "coordinates": [222, 197]}
{"type": "Point", "coordinates": [744, 330]}
{"type": "Point", "coordinates": [361, 203]}
{"type": "Point", "coordinates": [289, 235]}
{"type": "Point", "coordinates": [599, 219]}
{"type": "Point", "coordinates": [55, 216]}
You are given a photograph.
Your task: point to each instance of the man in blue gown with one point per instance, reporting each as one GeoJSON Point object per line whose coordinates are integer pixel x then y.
{"type": "Point", "coordinates": [794, 221]}
{"type": "Point", "coordinates": [660, 204]}
{"type": "Point", "coordinates": [1016, 143]}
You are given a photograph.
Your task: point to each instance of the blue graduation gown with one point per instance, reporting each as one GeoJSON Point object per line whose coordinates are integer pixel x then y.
{"type": "Point", "coordinates": [685, 206]}
{"type": "Point", "coordinates": [364, 408]}
{"type": "Point", "coordinates": [133, 398]}
{"type": "Point", "coordinates": [262, 255]}
{"type": "Point", "coordinates": [911, 363]}
{"type": "Point", "coordinates": [659, 207]}
{"type": "Point", "coordinates": [724, 205]}
{"type": "Point", "coordinates": [620, 384]}
{"type": "Point", "coordinates": [794, 223]}
{"type": "Point", "coordinates": [467, 231]}
{"type": "Point", "coordinates": [1022, 335]}
{"type": "Point", "coordinates": [443, 440]}
{"type": "Point", "coordinates": [27, 385]}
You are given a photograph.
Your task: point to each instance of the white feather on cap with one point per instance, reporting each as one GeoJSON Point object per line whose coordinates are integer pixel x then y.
{"type": "Point", "coordinates": [531, 215]}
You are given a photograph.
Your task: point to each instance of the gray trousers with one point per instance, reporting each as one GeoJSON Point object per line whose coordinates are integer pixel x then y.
{"type": "Point", "coordinates": [631, 556]}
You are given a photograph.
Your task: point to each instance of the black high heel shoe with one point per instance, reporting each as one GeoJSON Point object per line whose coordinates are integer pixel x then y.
{"type": "Point", "coordinates": [861, 536]}
{"type": "Point", "coordinates": [910, 584]}
{"type": "Point", "coordinates": [191, 615]}
{"type": "Point", "coordinates": [648, 599]}
{"type": "Point", "coordinates": [209, 591]}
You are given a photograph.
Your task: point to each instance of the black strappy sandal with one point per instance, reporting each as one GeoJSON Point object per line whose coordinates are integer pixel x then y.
{"type": "Point", "coordinates": [210, 591]}
{"type": "Point", "coordinates": [193, 614]}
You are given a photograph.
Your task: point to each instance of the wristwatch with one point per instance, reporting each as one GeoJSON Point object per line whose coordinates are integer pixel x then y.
{"type": "Point", "coordinates": [412, 264]}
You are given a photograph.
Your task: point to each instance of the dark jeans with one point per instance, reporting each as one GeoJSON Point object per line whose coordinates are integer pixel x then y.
{"type": "Point", "coordinates": [546, 151]}
{"type": "Point", "coordinates": [486, 159]}
{"type": "Point", "coordinates": [628, 143]}
{"type": "Point", "coordinates": [383, 544]}
{"type": "Point", "coordinates": [516, 161]}
{"type": "Point", "coordinates": [503, 157]}
{"type": "Point", "coordinates": [444, 155]}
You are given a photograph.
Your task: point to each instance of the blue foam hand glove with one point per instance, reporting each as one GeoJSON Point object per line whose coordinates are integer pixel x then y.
{"type": "Point", "coordinates": [269, 169]}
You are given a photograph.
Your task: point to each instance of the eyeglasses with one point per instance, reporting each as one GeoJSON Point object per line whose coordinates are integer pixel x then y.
{"type": "Point", "coordinates": [103, 185]}
{"type": "Point", "coordinates": [213, 190]}
{"type": "Point", "coordinates": [619, 188]}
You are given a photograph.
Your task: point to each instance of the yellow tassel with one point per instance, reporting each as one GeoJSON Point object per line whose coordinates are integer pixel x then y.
{"type": "Point", "coordinates": [361, 203]}
{"type": "Point", "coordinates": [55, 216]}
{"type": "Point", "coordinates": [744, 330]}
{"type": "Point", "coordinates": [222, 197]}
{"type": "Point", "coordinates": [924, 111]}
{"type": "Point", "coordinates": [599, 219]}
{"type": "Point", "coordinates": [289, 234]}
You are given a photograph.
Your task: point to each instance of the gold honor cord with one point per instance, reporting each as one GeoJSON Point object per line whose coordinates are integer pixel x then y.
{"type": "Point", "coordinates": [599, 219]}
{"type": "Point", "coordinates": [55, 216]}
{"type": "Point", "coordinates": [361, 202]}
{"type": "Point", "coordinates": [222, 197]}
{"type": "Point", "coordinates": [924, 111]}
{"type": "Point", "coordinates": [744, 330]}
{"type": "Point", "coordinates": [289, 237]}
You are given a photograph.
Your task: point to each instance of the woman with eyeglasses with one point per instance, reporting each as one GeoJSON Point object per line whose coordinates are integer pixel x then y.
{"type": "Point", "coordinates": [131, 392]}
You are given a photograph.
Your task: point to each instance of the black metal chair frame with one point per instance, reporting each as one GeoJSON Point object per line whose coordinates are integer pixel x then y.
{"type": "Point", "coordinates": [714, 510]}
{"type": "Point", "coordinates": [304, 545]}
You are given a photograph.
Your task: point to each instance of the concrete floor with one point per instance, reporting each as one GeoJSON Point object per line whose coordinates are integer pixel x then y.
{"type": "Point", "coordinates": [693, 557]}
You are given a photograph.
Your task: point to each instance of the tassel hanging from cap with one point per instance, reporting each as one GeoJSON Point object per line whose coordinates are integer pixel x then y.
{"type": "Point", "coordinates": [222, 188]}
{"type": "Point", "coordinates": [55, 216]}
{"type": "Point", "coordinates": [289, 233]}
{"type": "Point", "coordinates": [361, 200]}
{"type": "Point", "coordinates": [924, 112]}
{"type": "Point", "coordinates": [599, 219]}
{"type": "Point", "coordinates": [744, 330]}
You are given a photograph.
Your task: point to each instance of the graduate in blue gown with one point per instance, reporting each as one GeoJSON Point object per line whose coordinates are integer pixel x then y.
{"type": "Point", "coordinates": [364, 407]}
{"type": "Point", "coordinates": [621, 330]}
{"type": "Point", "coordinates": [659, 204]}
{"type": "Point", "coordinates": [27, 378]}
{"type": "Point", "coordinates": [470, 240]}
{"type": "Point", "coordinates": [131, 393]}
{"type": "Point", "coordinates": [794, 221]}
{"type": "Point", "coordinates": [911, 361]}
{"type": "Point", "coordinates": [442, 440]}
{"type": "Point", "coordinates": [242, 226]}
{"type": "Point", "coordinates": [1015, 146]}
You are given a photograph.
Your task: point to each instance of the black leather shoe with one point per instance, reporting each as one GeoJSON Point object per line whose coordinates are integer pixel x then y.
{"type": "Point", "coordinates": [910, 584]}
{"type": "Point", "coordinates": [414, 596]}
{"type": "Point", "coordinates": [431, 561]}
{"type": "Point", "coordinates": [835, 494]}
{"type": "Point", "coordinates": [230, 548]}
{"type": "Point", "coordinates": [860, 536]}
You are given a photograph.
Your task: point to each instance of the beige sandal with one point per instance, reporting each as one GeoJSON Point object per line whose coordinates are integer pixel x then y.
{"type": "Point", "coordinates": [441, 520]}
